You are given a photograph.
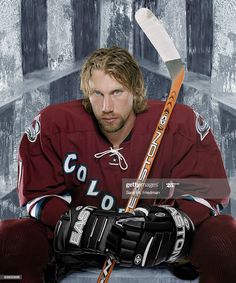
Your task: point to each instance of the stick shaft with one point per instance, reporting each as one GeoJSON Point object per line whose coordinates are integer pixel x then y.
{"type": "Point", "coordinates": [147, 22]}
{"type": "Point", "coordinates": [147, 163]}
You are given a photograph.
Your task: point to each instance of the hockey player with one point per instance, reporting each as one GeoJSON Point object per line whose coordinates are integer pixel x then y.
{"type": "Point", "coordinates": [72, 161]}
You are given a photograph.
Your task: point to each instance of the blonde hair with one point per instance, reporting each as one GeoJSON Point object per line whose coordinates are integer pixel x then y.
{"type": "Point", "coordinates": [119, 64]}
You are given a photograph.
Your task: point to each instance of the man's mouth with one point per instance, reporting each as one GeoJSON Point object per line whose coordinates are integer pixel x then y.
{"type": "Point", "coordinates": [109, 119]}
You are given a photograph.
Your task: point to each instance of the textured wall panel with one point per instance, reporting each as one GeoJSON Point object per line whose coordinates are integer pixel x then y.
{"type": "Point", "coordinates": [7, 118]}
{"type": "Point", "coordinates": [10, 46]}
{"type": "Point", "coordinates": [228, 149]}
{"type": "Point", "coordinates": [65, 89]}
{"type": "Point", "coordinates": [60, 42]}
{"type": "Point", "coordinates": [199, 35]}
{"type": "Point", "coordinates": [9, 206]}
{"type": "Point", "coordinates": [34, 35]}
{"type": "Point", "coordinates": [172, 15]}
{"type": "Point", "coordinates": [224, 82]}
{"type": "Point", "coordinates": [142, 46]}
{"type": "Point", "coordinates": [224, 55]}
{"type": "Point", "coordinates": [116, 24]}
{"type": "Point", "coordinates": [157, 86]}
{"type": "Point", "coordinates": [85, 27]}
{"type": "Point", "coordinates": [228, 124]}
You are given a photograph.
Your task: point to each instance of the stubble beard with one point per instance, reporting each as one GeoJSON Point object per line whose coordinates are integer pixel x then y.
{"type": "Point", "coordinates": [113, 127]}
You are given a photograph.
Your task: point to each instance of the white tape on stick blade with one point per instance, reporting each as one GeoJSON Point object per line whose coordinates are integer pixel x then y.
{"type": "Point", "coordinates": [156, 33]}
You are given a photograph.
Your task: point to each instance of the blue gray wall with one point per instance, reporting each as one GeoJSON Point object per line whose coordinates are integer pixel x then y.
{"type": "Point", "coordinates": [43, 44]}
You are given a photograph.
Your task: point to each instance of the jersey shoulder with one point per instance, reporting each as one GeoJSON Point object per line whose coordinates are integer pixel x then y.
{"type": "Point", "coordinates": [190, 124]}
{"type": "Point", "coordinates": [184, 120]}
{"type": "Point", "coordinates": [180, 114]}
{"type": "Point", "coordinates": [66, 117]}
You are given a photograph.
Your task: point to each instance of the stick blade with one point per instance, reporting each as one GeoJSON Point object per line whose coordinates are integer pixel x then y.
{"type": "Point", "coordinates": [157, 34]}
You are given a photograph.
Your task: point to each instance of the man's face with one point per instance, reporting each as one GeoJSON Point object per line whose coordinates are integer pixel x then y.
{"type": "Point", "coordinates": [112, 103]}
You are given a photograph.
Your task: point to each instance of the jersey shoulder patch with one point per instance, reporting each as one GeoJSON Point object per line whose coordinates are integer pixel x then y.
{"type": "Point", "coordinates": [202, 127]}
{"type": "Point", "coordinates": [34, 129]}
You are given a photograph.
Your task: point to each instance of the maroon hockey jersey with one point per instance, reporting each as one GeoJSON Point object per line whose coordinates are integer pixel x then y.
{"type": "Point", "coordinates": [64, 161]}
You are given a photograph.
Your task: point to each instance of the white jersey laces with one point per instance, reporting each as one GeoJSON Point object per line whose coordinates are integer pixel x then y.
{"type": "Point", "coordinates": [114, 152]}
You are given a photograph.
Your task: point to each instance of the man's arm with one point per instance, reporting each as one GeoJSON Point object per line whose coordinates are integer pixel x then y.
{"type": "Point", "coordinates": [202, 165]}
{"type": "Point", "coordinates": [41, 185]}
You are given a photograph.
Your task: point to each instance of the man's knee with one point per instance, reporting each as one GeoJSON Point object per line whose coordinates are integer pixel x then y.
{"type": "Point", "coordinates": [215, 241]}
{"type": "Point", "coordinates": [24, 238]}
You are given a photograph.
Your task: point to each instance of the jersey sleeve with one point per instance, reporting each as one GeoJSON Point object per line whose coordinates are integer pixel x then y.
{"type": "Point", "coordinates": [197, 159]}
{"type": "Point", "coordinates": [41, 185]}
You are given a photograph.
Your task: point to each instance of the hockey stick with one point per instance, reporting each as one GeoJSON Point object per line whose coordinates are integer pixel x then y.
{"type": "Point", "coordinates": [167, 51]}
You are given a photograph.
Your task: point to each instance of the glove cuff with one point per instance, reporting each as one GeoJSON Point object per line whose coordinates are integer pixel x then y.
{"type": "Point", "coordinates": [184, 233]}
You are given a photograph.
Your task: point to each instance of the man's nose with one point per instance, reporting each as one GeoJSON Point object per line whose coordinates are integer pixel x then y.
{"type": "Point", "coordinates": [107, 104]}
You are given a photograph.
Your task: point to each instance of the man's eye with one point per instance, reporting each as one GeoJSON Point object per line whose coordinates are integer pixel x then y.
{"type": "Point", "coordinates": [97, 93]}
{"type": "Point", "coordinates": [117, 92]}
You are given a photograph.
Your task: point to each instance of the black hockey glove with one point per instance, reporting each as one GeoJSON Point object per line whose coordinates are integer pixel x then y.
{"type": "Point", "coordinates": [84, 230]}
{"type": "Point", "coordinates": [157, 234]}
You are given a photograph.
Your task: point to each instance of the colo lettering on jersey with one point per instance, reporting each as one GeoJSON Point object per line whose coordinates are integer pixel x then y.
{"type": "Point", "coordinates": [107, 202]}
{"type": "Point", "coordinates": [81, 173]}
{"type": "Point", "coordinates": [70, 167]}
{"type": "Point", "coordinates": [92, 189]}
